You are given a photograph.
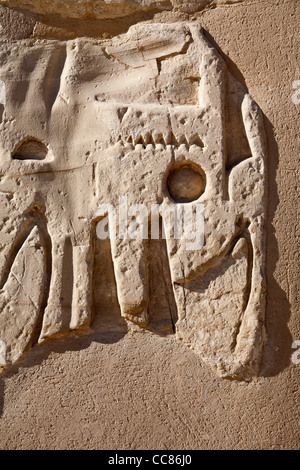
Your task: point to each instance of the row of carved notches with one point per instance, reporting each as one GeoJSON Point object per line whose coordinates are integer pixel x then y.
{"type": "Point", "coordinates": [160, 141]}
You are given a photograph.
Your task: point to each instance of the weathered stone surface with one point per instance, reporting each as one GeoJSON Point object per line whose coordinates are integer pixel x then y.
{"type": "Point", "coordinates": [102, 9]}
{"type": "Point", "coordinates": [104, 387]}
{"type": "Point", "coordinates": [136, 120]}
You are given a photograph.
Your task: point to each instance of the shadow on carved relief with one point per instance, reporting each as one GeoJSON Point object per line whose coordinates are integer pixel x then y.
{"type": "Point", "coordinates": [277, 350]}
{"type": "Point", "coordinates": [155, 130]}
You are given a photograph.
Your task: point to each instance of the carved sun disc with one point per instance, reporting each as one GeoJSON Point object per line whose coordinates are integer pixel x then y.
{"type": "Point", "coordinates": [186, 182]}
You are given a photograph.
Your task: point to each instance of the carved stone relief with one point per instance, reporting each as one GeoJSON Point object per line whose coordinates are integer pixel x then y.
{"type": "Point", "coordinates": [152, 118]}
{"type": "Point", "coordinates": [102, 9]}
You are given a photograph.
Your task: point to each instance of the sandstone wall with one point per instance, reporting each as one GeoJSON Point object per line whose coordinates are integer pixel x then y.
{"type": "Point", "coordinates": [119, 377]}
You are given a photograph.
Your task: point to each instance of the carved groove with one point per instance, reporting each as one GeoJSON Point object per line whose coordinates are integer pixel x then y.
{"type": "Point", "coordinates": [247, 292]}
{"type": "Point", "coordinates": [159, 271]}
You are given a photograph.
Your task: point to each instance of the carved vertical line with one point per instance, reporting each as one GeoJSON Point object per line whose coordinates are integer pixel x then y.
{"type": "Point", "coordinates": [169, 286]}
{"type": "Point", "coordinates": [52, 79]}
{"type": "Point", "coordinates": [159, 272]}
{"type": "Point", "coordinates": [47, 245]}
{"type": "Point", "coordinates": [246, 236]}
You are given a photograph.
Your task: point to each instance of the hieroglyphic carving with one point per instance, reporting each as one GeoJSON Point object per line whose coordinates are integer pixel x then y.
{"type": "Point", "coordinates": [153, 116]}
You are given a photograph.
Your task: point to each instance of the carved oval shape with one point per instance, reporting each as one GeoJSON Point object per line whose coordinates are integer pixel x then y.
{"type": "Point", "coordinates": [21, 296]}
{"type": "Point", "coordinates": [30, 149]}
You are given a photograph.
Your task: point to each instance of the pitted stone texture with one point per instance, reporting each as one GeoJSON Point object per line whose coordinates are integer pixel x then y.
{"type": "Point", "coordinates": [102, 9]}
{"type": "Point", "coordinates": [87, 126]}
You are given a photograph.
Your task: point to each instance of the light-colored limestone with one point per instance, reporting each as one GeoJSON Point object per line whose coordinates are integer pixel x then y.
{"type": "Point", "coordinates": [102, 9]}
{"type": "Point", "coordinates": [109, 388]}
{"type": "Point", "coordinates": [87, 123]}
